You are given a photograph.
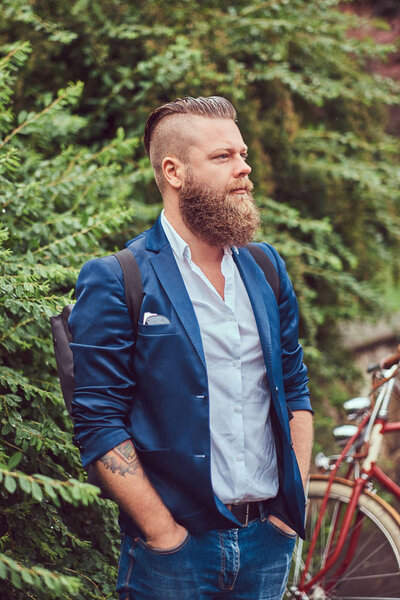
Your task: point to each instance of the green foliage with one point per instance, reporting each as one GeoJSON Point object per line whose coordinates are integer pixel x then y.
{"type": "Point", "coordinates": [49, 227]}
{"type": "Point", "coordinates": [20, 577]}
{"type": "Point", "coordinates": [76, 184]}
{"type": "Point", "coordinates": [39, 486]}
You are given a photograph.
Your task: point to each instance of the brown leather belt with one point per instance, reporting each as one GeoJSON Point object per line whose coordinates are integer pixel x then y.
{"type": "Point", "coordinates": [248, 511]}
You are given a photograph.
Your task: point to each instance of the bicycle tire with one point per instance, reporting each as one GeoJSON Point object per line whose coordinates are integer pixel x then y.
{"type": "Point", "coordinates": [374, 570]}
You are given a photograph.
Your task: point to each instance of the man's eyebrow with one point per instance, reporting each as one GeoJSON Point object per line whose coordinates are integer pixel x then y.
{"type": "Point", "coordinates": [229, 149]}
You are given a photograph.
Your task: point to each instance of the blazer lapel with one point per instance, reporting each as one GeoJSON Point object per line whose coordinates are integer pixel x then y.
{"type": "Point", "coordinates": [254, 280]}
{"type": "Point", "coordinates": [260, 295]}
{"type": "Point", "coordinates": [169, 276]}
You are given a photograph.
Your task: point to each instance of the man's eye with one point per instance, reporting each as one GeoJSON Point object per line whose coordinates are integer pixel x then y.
{"type": "Point", "coordinates": [244, 156]}
{"type": "Point", "coordinates": [222, 156]}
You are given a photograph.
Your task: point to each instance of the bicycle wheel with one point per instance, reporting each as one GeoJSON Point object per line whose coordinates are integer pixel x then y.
{"type": "Point", "coordinates": [370, 570]}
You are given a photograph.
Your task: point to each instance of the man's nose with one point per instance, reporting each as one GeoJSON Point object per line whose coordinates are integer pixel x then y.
{"type": "Point", "coordinates": [242, 168]}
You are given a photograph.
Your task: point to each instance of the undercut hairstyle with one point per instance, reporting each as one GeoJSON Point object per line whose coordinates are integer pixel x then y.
{"type": "Point", "coordinates": [167, 130]}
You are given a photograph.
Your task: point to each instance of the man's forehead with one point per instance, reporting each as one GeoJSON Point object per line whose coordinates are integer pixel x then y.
{"type": "Point", "coordinates": [205, 132]}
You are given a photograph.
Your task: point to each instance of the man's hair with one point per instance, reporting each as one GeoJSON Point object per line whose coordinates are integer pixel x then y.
{"type": "Point", "coordinates": [214, 107]}
{"type": "Point", "coordinates": [159, 141]}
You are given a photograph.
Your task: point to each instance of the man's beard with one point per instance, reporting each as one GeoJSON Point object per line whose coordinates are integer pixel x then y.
{"type": "Point", "coordinates": [219, 218]}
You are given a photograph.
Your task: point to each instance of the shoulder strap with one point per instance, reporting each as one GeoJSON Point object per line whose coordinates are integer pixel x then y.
{"type": "Point", "coordinates": [265, 263]}
{"type": "Point", "coordinates": [65, 363]}
{"type": "Point", "coordinates": [132, 284]}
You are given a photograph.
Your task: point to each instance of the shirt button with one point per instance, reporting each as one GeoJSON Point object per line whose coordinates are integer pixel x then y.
{"type": "Point", "coordinates": [230, 318]}
{"type": "Point", "coordinates": [235, 363]}
{"type": "Point", "coordinates": [276, 389]}
{"type": "Point", "coordinates": [237, 409]}
{"type": "Point", "coordinates": [239, 457]}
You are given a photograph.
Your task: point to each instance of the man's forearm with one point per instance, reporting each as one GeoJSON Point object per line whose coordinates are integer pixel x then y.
{"type": "Point", "coordinates": [121, 472]}
{"type": "Point", "coordinates": [301, 427]}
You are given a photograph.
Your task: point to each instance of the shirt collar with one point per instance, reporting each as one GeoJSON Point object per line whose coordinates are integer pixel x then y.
{"type": "Point", "coordinates": [179, 246]}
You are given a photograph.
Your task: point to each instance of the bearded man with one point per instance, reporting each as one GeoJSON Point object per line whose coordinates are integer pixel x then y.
{"type": "Point", "coordinates": [188, 426]}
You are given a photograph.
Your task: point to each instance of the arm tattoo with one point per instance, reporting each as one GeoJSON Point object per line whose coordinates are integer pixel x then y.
{"type": "Point", "coordinates": [123, 459]}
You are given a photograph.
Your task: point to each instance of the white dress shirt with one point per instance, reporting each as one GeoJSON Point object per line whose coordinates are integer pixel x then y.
{"type": "Point", "coordinates": [243, 456]}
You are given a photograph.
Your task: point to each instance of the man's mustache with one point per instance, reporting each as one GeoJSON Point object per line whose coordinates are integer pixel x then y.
{"type": "Point", "coordinates": [242, 184]}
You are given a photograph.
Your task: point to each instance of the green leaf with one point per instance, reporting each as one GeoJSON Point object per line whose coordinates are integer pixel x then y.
{"type": "Point", "coordinates": [65, 493]}
{"type": "Point", "coordinates": [50, 490]}
{"type": "Point", "coordinates": [37, 491]}
{"type": "Point", "coordinates": [25, 485]}
{"type": "Point", "coordinates": [49, 580]}
{"type": "Point", "coordinates": [16, 580]}
{"type": "Point", "coordinates": [14, 460]}
{"type": "Point", "coordinates": [3, 570]}
{"type": "Point", "coordinates": [27, 576]}
{"type": "Point", "coordinates": [10, 484]}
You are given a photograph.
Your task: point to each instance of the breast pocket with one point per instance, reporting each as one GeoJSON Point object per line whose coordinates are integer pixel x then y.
{"type": "Point", "coordinates": [154, 330]}
{"type": "Point", "coordinates": [156, 351]}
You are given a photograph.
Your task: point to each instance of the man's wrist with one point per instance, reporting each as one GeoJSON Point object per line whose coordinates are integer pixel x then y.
{"type": "Point", "coordinates": [166, 536]}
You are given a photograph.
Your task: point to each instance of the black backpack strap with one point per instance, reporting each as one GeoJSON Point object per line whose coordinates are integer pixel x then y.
{"type": "Point", "coordinates": [132, 284]}
{"type": "Point", "coordinates": [265, 263]}
{"type": "Point", "coordinates": [63, 353]}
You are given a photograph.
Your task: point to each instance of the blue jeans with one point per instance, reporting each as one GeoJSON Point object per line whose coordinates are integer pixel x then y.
{"type": "Point", "coordinates": [250, 563]}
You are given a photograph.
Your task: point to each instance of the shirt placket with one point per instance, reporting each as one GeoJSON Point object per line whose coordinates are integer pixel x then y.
{"type": "Point", "coordinates": [235, 402]}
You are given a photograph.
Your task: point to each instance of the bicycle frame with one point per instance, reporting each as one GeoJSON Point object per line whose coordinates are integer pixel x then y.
{"type": "Point", "coordinates": [377, 426]}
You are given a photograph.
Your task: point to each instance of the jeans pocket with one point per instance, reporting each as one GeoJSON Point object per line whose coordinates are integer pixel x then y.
{"type": "Point", "coordinates": [123, 538]}
{"type": "Point", "coordinates": [287, 534]}
{"type": "Point", "coordinates": [125, 565]}
{"type": "Point", "coordinates": [164, 551]}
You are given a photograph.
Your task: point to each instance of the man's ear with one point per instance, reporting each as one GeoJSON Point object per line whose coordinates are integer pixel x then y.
{"type": "Point", "coordinates": [173, 171]}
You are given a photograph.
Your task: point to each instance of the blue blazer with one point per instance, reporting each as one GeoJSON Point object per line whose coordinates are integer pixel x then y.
{"type": "Point", "coordinates": [156, 392]}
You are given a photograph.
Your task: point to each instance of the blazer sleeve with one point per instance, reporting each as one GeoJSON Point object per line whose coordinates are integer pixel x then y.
{"type": "Point", "coordinates": [103, 344]}
{"type": "Point", "coordinates": [294, 371]}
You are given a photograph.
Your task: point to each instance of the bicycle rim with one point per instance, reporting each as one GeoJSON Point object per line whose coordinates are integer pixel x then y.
{"type": "Point", "coordinates": [368, 571]}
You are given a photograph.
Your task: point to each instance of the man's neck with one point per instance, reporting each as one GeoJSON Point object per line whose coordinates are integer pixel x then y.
{"type": "Point", "coordinates": [201, 252]}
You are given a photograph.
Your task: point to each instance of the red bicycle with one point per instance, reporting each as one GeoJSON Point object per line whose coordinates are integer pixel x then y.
{"type": "Point", "coordinates": [352, 548]}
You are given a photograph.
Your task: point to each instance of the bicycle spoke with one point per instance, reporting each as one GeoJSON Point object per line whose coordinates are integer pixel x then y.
{"type": "Point", "coordinates": [299, 563]}
{"type": "Point", "coordinates": [384, 575]}
{"type": "Point", "coordinates": [332, 529]}
{"type": "Point", "coordinates": [297, 555]}
{"type": "Point", "coordinates": [367, 558]}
